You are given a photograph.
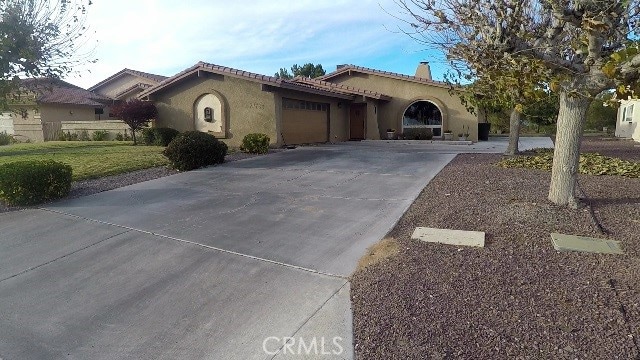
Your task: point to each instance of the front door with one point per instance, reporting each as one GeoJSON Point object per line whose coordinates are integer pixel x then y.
{"type": "Point", "coordinates": [357, 120]}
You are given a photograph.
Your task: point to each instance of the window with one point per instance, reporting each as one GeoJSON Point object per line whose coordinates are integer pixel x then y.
{"type": "Point", "coordinates": [627, 114]}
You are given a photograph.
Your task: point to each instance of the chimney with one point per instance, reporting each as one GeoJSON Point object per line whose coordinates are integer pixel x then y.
{"type": "Point", "coordinates": [424, 70]}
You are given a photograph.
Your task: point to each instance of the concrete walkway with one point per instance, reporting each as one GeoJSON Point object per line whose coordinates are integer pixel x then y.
{"type": "Point", "coordinates": [222, 263]}
{"type": "Point", "coordinates": [497, 145]}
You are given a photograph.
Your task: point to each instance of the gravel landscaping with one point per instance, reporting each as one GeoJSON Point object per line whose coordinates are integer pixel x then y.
{"type": "Point", "coordinates": [94, 186]}
{"type": "Point", "coordinates": [517, 297]}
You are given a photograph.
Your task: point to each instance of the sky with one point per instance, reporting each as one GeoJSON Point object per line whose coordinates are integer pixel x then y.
{"type": "Point", "coordinates": [167, 36]}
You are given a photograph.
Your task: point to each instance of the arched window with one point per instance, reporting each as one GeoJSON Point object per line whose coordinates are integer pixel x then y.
{"type": "Point", "coordinates": [423, 114]}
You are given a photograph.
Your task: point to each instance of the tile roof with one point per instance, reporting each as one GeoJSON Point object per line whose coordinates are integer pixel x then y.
{"type": "Point", "coordinates": [138, 86]}
{"type": "Point", "coordinates": [297, 85]}
{"type": "Point", "coordinates": [347, 68]}
{"type": "Point", "coordinates": [55, 91]}
{"type": "Point", "coordinates": [142, 74]}
{"type": "Point", "coordinates": [341, 88]}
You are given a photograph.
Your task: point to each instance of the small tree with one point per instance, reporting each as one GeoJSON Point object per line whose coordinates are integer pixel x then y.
{"type": "Point", "coordinates": [136, 113]}
{"type": "Point", "coordinates": [40, 38]}
{"type": "Point", "coordinates": [498, 84]}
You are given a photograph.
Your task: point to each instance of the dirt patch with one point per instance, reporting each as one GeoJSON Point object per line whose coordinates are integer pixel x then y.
{"type": "Point", "coordinates": [379, 252]}
{"type": "Point", "coordinates": [517, 297]}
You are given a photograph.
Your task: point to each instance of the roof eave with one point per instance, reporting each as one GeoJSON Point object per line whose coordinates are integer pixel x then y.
{"type": "Point", "coordinates": [290, 86]}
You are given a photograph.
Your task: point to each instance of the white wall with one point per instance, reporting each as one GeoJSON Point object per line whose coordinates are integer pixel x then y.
{"type": "Point", "coordinates": [629, 129]}
{"type": "Point", "coordinates": [6, 123]}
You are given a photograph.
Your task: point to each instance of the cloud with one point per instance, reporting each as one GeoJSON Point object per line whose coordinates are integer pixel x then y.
{"type": "Point", "coordinates": [165, 36]}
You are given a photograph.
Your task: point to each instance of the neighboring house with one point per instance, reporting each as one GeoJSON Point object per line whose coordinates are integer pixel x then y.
{"type": "Point", "coordinates": [352, 103]}
{"type": "Point", "coordinates": [628, 123]}
{"type": "Point", "coordinates": [126, 84]}
{"type": "Point", "coordinates": [41, 106]}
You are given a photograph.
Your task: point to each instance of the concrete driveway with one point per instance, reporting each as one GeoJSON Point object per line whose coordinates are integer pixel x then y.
{"type": "Point", "coordinates": [227, 262]}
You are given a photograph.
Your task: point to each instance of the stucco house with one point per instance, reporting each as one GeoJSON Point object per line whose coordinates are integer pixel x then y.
{"type": "Point", "coordinates": [352, 103]}
{"type": "Point", "coordinates": [628, 122]}
{"type": "Point", "coordinates": [41, 106]}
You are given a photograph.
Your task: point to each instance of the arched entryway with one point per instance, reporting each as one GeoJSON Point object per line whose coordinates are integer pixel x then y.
{"type": "Point", "coordinates": [423, 114]}
{"type": "Point", "coordinates": [208, 112]}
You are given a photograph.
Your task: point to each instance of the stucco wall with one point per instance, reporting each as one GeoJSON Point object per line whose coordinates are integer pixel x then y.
{"type": "Point", "coordinates": [338, 116]}
{"type": "Point", "coordinates": [58, 113]}
{"type": "Point", "coordinates": [454, 115]}
{"type": "Point", "coordinates": [248, 109]}
{"type": "Point", "coordinates": [626, 129]}
{"type": "Point", "coordinates": [29, 126]}
{"type": "Point", "coordinates": [125, 81]}
{"type": "Point", "coordinates": [114, 127]}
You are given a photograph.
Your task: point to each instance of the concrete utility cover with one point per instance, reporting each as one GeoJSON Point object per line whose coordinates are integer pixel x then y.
{"type": "Point", "coordinates": [562, 242]}
{"type": "Point", "coordinates": [449, 237]}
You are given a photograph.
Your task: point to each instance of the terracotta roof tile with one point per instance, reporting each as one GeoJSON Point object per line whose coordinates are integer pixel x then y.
{"type": "Point", "coordinates": [346, 68]}
{"type": "Point", "coordinates": [264, 79]}
{"type": "Point", "coordinates": [55, 91]}
{"type": "Point", "coordinates": [141, 86]}
{"type": "Point", "coordinates": [340, 88]}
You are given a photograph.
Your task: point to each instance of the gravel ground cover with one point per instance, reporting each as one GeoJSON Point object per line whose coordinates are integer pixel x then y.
{"type": "Point", "coordinates": [94, 186]}
{"type": "Point", "coordinates": [517, 297]}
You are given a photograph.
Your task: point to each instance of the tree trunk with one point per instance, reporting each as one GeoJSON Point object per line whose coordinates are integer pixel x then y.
{"type": "Point", "coordinates": [566, 156]}
{"type": "Point", "coordinates": [133, 134]}
{"type": "Point", "coordinates": [514, 132]}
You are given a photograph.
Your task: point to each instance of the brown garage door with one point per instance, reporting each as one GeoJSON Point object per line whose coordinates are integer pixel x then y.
{"type": "Point", "coordinates": [304, 122]}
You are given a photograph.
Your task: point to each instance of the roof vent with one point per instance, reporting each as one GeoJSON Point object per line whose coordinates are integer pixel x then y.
{"type": "Point", "coordinates": [338, 67]}
{"type": "Point", "coordinates": [424, 70]}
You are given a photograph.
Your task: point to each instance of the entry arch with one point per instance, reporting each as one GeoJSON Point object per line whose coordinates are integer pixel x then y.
{"type": "Point", "coordinates": [425, 113]}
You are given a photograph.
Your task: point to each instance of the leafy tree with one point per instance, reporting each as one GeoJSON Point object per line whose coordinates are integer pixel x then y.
{"type": "Point", "coordinates": [136, 113]}
{"type": "Point", "coordinates": [502, 86]}
{"type": "Point", "coordinates": [544, 111]}
{"type": "Point", "coordinates": [307, 70]}
{"type": "Point", "coordinates": [283, 74]}
{"type": "Point", "coordinates": [601, 112]}
{"type": "Point", "coordinates": [40, 38]}
{"type": "Point", "coordinates": [572, 39]}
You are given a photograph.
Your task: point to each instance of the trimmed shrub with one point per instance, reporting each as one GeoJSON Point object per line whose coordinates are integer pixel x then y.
{"type": "Point", "coordinates": [119, 137]}
{"type": "Point", "coordinates": [148, 136]}
{"type": "Point", "coordinates": [84, 135]}
{"type": "Point", "coordinates": [68, 136]}
{"type": "Point", "coordinates": [32, 182]}
{"type": "Point", "coordinates": [418, 134]}
{"type": "Point", "coordinates": [164, 136]}
{"type": "Point", "coordinates": [158, 136]}
{"type": "Point", "coordinates": [6, 139]}
{"type": "Point", "coordinates": [255, 143]}
{"type": "Point", "coordinates": [100, 135]}
{"type": "Point", "coordinates": [194, 149]}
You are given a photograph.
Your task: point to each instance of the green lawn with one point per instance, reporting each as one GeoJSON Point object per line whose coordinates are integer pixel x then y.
{"type": "Point", "coordinates": [89, 159]}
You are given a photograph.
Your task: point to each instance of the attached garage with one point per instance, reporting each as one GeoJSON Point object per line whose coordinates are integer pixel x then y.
{"type": "Point", "coordinates": [304, 122]}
